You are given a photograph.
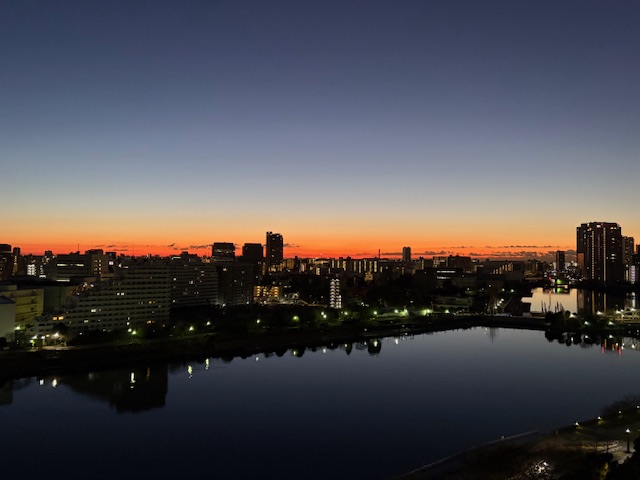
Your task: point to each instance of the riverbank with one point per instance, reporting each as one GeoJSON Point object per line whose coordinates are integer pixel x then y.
{"type": "Point", "coordinates": [543, 455]}
{"type": "Point", "coordinates": [58, 360]}
{"type": "Point", "coordinates": [136, 351]}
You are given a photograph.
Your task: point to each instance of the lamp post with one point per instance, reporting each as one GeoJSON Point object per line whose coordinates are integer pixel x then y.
{"type": "Point", "coordinates": [627, 431]}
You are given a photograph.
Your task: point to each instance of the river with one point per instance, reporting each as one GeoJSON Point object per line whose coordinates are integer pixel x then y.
{"type": "Point", "coordinates": [346, 411]}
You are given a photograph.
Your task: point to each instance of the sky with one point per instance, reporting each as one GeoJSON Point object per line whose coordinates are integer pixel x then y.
{"type": "Point", "coordinates": [492, 127]}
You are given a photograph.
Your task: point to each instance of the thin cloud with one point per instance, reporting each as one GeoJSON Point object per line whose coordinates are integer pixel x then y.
{"type": "Point", "coordinates": [199, 247]}
{"type": "Point", "coordinates": [431, 252]}
{"type": "Point", "coordinates": [526, 246]}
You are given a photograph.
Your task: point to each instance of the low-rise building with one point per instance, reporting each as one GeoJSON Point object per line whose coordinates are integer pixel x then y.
{"type": "Point", "coordinates": [7, 319]}
{"type": "Point", "coordinates": [28, 300]}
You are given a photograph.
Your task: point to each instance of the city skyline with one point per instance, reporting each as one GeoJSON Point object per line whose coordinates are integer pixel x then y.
{"type": "Point", "coordinates": [349, 127]}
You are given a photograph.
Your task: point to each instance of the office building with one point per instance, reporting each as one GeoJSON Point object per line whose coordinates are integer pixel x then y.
{"type": "Point", "coordinates": [78, 266]}
{"type": "Point", "coordinates": [223, 252]}
{"type": "Point", "coordinates": [460, 262]}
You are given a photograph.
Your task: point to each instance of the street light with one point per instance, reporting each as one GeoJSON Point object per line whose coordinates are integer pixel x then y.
{"type": "Point", "coordinates": [627, 431]}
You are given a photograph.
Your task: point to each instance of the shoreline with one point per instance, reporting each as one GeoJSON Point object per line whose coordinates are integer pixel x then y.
{"type": "Point", "coordinates": [563, 447]}
{"type": "Point", "coordinates": [16, 364]}
{"type": "Point", "coordinates": [58, 360]}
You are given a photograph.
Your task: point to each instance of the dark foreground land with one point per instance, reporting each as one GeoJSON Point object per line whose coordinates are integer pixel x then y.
{"type": "Point", "coordinates": [602, 448]}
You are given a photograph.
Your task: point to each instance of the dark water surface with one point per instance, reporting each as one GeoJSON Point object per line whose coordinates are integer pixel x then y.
{"type": "Point", "coordinates": [326, 414]}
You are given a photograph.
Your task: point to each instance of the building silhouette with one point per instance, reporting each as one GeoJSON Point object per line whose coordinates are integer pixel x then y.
{"type": "Point", "coordinates": [135, 389]}
{"type": "Point", "coordinates": [7, 262]}
{"type": "Point", "coordinates": [600, 252]}
{"type": "Point", "coordinates": [252, 253]}
{"type": "Point", "coordinates": [235, 283]}
{"type": "Point", "coordinates": [560, 260]}
{"type": "Point", "coordinates": [223, 252]}
{"type": "Point", "coordinates": [274, 250]}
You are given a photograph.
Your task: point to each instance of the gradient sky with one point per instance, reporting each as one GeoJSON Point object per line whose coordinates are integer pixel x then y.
{"type": "Point", "coordinates": [347, 126]}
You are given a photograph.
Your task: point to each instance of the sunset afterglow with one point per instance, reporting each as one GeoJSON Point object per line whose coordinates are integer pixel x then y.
{"type": "Point", "coordinates": [460, 127]}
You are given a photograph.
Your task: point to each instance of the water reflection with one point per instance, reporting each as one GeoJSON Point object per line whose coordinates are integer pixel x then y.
{"type": "Point", "coordinates": [6, 393]}
{"type": "Point", "coordinates": [607, 343]}
{"type": "Point", "coordinates": [144, 388]}
{"type": "Point", "coordinates": [587, 303]}
{"type": "Point", "coordinates": [128, 390]}
{"type": "Point", "coordinates": [592, 303]}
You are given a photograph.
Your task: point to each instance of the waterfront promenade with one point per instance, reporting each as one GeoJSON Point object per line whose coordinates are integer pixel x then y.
{"type": "Point", "coordinates": [537, 454]}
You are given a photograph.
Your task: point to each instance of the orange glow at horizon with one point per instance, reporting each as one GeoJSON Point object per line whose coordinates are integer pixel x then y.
{"type": "Point", "coordinates": [353, 249]}
{"type": "Point", "coordinates": [362, 235]}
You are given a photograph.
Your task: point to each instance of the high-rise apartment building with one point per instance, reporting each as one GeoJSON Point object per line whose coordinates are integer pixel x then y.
{"type": "Point", "coordinates": [600, 252]}
{"type": "Point", "coordinates": [274, 250]}
{"type": "Point", "coordinates": [335, 297]}
{"type": "Point", "coordinates": [406, 254]}
{"type": "Point", "coordinates": [193, 282]}
{"type": "Point", "coordinates": [235, 283]}
{"type": "Point", "coordinates": [628, 256]}
{"type": "Point", "coordinates": [560, 260]}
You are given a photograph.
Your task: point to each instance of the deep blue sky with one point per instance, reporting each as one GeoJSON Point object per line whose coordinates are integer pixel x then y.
{"type": "Point", "coordinates": [364, 124]}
